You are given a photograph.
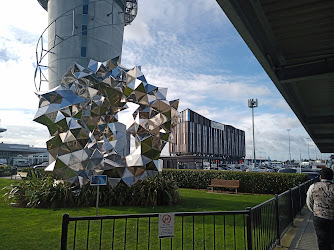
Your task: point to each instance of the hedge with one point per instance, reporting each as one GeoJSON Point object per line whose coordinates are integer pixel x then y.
{"type": "Point", "coordinates": [5, 170]}
{"type": "Point", "coordinates": [250, 182]}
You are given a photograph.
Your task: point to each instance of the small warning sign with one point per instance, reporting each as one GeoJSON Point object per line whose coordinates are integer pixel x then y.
{"type": "Point", "coordinates": [166, 225]}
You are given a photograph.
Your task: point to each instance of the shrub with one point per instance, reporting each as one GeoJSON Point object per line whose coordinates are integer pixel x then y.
{"type": "Point", "coordinates": [41, 190]}
{"type": "Point", "coordinates": [38, 192]}
{"type": "Point", "coordinates": [38, 172]}
{"type": "Point", "coordinates": [250, 182]}
{"type": "Point", "coordinates": [5, 170]}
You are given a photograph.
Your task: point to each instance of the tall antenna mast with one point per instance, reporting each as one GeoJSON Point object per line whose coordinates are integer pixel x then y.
{"type": "Point", "coordinates": [253, 104]}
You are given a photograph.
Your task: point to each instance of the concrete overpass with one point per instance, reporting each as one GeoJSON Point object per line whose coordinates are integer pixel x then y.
{"type": "Point", "coordinates": [294, 42]}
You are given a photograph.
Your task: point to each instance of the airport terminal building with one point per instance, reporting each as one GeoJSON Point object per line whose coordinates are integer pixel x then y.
{"type": "Point", "coordinates": [21, 155]}
{"type": "Point", "coordinates": [204, 139]}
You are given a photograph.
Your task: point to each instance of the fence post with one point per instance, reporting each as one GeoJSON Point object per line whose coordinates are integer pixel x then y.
{"type": "Point", "coordinates": [300, 200]}
{"type": "Point", "coordinates": [249, 228]}
{"type": "Point", "coordinates": [64, 231]}
{"type": "Point", "coordinates": [292, 206]}
{"type": "Point", "coordinates": [278, 235]}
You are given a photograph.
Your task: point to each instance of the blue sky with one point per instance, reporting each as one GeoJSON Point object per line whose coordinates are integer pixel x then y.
{"type": "Point", "coordinates": [189, 46]}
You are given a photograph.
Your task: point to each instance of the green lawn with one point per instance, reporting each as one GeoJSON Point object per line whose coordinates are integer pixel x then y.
{"type": "Point", "coordinates": [26, 228]}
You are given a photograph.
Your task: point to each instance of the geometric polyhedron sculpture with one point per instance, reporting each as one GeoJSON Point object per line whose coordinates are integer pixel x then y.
{"type": "Point", "coordinates": [86, 137]}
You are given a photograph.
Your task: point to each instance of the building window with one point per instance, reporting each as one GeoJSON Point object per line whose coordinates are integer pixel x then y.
{"type": "Point", "coordinates": [83, 51]}
{"type": "Point", "coordinates": [84, 30]}
{"type": "Point", "coordinates": [85, 9]}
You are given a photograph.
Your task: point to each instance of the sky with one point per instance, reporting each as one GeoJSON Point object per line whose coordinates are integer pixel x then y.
{"type": "Point", "coordinates": [188, 46]}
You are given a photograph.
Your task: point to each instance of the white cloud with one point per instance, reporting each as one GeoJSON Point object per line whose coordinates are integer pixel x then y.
{"type": "Point", "coordinates": [187, 46]}
{"type": "Point", "coordinates": [282, 104]}
{"type": "Point", "coordinates": [179, 15]}
{"type": "Point", "coordinates": [19, 32]}
{"type": "Point", "coordinates": [21, 129]}
{"type": "Point", "coordinates": [25, 15]}
{"type": "Point", "coordinates": [168, 51]}
{"type": "Point", "coordinates": [138, 32]}
{"type": "Point", "coordinates": [271, 136]}
{"type": "Point", "coordinates": [199, 88]}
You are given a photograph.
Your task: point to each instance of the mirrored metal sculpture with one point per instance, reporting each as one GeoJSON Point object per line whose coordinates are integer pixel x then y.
{"type": "Point", "coordinates": [86, 137]}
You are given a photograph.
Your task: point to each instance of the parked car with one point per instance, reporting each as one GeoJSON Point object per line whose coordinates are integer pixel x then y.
{"type": "Point", "coordinates": [312, 174]}
{"type": "Point", "coordinates": [42, 165]}
{"type": "Point", "coordinates": [287, 170]}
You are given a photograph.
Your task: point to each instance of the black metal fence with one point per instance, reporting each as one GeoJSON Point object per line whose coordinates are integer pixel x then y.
{"type": "Point", "coordinates": [259, 227]}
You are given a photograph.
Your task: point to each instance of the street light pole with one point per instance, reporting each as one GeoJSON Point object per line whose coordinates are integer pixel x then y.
{"type": "Point", "coordinates": [289, 144]}
{"type": "Point", "coordinates": [308, 149]}
{"type": "Point", "coordinates": [315, 152]}
{"type": "Point", "coordinates": [300, 161]}
{"type": "Point", "coordinates": [253, 104]}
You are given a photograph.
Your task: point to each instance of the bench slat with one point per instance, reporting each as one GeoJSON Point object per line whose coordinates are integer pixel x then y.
{"type": "Point", "coordinates": [225, 183]}
{"type": "Point", "coordinates": [227, 186]}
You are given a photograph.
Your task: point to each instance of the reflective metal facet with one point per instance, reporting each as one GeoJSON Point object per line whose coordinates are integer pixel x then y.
{"type": "Point", "coordinates": [86, 137]}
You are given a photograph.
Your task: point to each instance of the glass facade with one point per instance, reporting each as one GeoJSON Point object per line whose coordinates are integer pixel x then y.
{"type": "Point", "coordinates": [197, 135]}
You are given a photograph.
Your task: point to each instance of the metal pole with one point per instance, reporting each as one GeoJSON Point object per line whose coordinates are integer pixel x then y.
{"type": "Point", "coordinates": [308, 148]}
{"type": "Point", "coordinates": [253, 104]}
{"type": "Point", "coordinates": [289, 144]}
{"type": "Point", "coordinates": [97, 200]}
{"type": "Point", "coordinates": [249, 229]}
{"type": "Point", "coordinates": [315, 151]}
{"type": "Point", "coordinates": [278, 234]}
{"type": "Point", "coordinates": [300, 161]}
{"type": "Point", "coordinates": [292, 206]}
{"type": "Point", "coordinates": [64, 231]}
{"type": "Point", "coordinates": [254, 159]}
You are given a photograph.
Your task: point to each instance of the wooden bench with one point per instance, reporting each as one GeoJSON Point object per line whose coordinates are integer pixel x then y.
{"type": "Point", "coordinates": [23, 175]}
{"type": "Point", "coordinates": [225, 184]}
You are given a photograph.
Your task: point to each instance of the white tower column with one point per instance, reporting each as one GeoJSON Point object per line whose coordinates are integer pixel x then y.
{"type": "Point", "coordinates": [80, 30]}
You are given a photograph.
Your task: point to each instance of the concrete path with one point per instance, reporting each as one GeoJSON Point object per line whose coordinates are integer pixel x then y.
{"type": "Point", "coordinates": [14, 177]}
{"type": "Point", "coordinates": [301, 235]}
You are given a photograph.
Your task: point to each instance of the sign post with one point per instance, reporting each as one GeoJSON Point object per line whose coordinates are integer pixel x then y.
{"type": "Point", "coordinates": [166, 225]}
{"type": "Point", "coordinates": [97, 199]}
{"type": "Point", "coordinates": [98, 180]}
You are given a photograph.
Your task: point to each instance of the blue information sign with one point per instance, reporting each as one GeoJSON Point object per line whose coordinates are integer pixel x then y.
{"type": "Point", "coordinates": [98, 180]}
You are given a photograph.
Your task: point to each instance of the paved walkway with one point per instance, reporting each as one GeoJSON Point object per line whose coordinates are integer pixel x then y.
{"type": "Point", "coordinates": [14, 177]}
{"type": "Point", "coordinates": [301, 235]}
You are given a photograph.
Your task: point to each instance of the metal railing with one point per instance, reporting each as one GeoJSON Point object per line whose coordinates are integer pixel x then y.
{"type": "Point", "coordinates": [259, 227]}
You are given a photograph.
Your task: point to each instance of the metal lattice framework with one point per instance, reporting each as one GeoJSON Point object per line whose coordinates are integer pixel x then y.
{"type": "Point", "coordinates": [86, 137]}
{"type": "Point", "coordinates": [131, 9]}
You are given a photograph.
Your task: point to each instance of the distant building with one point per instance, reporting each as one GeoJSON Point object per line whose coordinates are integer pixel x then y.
{"type": "Point", "coordinates": [203, 140]}
{"type": "Point", "coordinates": [22, 155]}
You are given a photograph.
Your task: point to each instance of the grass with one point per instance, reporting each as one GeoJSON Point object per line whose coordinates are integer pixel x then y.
{"type": "Point", "coordinates": [26, 228]}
